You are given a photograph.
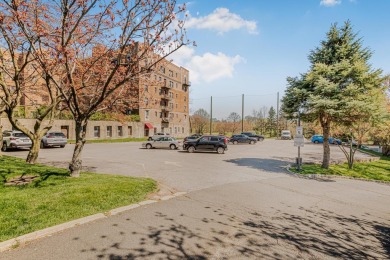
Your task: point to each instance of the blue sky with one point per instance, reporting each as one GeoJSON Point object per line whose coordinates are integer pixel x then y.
{"type": "Point", "coordinates": [250, 47]}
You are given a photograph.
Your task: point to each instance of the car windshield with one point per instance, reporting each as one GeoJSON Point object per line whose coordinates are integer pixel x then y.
{"type": "Point", "coordinates": [20, 135]}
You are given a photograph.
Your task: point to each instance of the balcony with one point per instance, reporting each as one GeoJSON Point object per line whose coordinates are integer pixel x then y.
{"type": "Point", "coordinates": [166, 108]}
{"type": "Point", "coordinates": [166, 119]}
{"type": "Point", "coordinates": [166, 96]}
{"type": "Point", "coordinates": [187, 83]}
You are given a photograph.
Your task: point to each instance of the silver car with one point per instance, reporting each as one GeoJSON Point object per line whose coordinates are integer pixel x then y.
{"type": "Point", "coordinates": [15, 139]}
{"type": "Point", "coordinates": [54, 139]}
{"type": "Point", "coordinates": [163, 142]}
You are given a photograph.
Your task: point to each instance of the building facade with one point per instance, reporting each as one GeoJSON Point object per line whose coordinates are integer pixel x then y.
{"type": "Point", "coordinates": [164, 101]}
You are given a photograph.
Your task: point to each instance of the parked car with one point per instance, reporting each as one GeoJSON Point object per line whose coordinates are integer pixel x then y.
{"type": "Point", "coordinates": [54, 139]}
{"type": "Point", "coordinates": [207, 143]}
{"type": "Point", "coordinates": [15, 140]}
{"type": "Point", "coordinates": [235, 139]}
{"type": "Point", "coordinates": [163, 142]}
{"type": "Point", "coordinates": [320, 139]}
{"type": "Point", "coordinates": [192, 137]}
{"type": "Point", "coordinates": [157, 135]}
{"type": "Point", "coordinates": [285, 135]}
{"type": "Point", "coordinates": [253, 135]}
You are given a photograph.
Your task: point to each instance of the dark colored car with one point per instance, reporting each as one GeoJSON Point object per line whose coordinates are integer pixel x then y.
{"type": "Point", "coordinates": [242, 139]}
{"type": "Point", "coordinates": [207, 143]}
{"type": "Point", "coordinates": [192, 137]}
{"type": "Point", "coordinates": [253, 135]}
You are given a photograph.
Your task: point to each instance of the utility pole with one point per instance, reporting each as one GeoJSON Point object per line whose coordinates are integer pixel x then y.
{"type": "Point", "coordinates": [242, 114]}
{"type": "Point", "coordinates": [277, 114]}
{"type": "Point", "coordinates": [211, 114]}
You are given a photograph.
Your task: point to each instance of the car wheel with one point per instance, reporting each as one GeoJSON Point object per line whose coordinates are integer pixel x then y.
{"type": "Point", "coordinates": [261, 139]}
{"type": "Point", "coordinates": [42, 145]}
{"type": "Point", "coordinates": [4, 148]}
{"type": "Point", "coordinates": [148, 146]}
{"type": "Point", "coordinates": [316, 142]}
{"type": "Point", "coordinates": [220, 150]}
{"type": "Point", "coordinates": [251, 142]}
{"type": "Point", "coordinates": [172, 147]}
{"type": "Point", "coordinates": [235, 142]}
{"type": "Point", "coordinates": [62, 146]}
{"type": "Point", "coordinates": [191, 149]}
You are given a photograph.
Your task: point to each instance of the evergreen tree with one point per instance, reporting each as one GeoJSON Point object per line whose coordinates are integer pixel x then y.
{"type": "Point", "coordinates": [271, 120]}
{"type": "Point", "coordinates": [340, 87]}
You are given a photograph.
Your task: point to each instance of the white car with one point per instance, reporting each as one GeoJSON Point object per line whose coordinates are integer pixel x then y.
{"type": "Point", "coordinates": [286, 135]}
{"type": "Point", "coordinates": [54, 139]}
{"type": "Point", "coordinates": [16, 140]}
{"type": "Point", "coordinates": [163, 142]}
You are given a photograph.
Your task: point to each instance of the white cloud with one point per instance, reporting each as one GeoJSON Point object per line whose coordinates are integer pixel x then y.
{"type": "Point", "coordinates": [210, 67]}
{"type": "Point", "coordinates": [207, 67]}
{"type": "Point", "coordinates": [222, 20]}
{"type": "Point", "coordinates": [330, 2]}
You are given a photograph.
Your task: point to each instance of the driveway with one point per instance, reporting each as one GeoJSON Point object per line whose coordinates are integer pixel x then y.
{"type": "Point", "coordinates": [240, 205]}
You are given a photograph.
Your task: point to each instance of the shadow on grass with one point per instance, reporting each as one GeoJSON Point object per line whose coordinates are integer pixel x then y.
{"type": "Point", "coordinates": [306, 234]}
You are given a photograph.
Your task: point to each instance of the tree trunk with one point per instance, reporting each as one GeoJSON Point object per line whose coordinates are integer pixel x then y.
{"type": "Point", "coordinates": [34, 151]}
{"type": "Point", "coordinates": [1, 139]}
{"type": "Point", "coordinates": [326, 154]}
{"type": "Point", "coordinates": [75, 165]}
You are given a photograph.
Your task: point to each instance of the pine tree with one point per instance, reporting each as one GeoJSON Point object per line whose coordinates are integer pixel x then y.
{"type": "Point", "coordinates": [340, 87]}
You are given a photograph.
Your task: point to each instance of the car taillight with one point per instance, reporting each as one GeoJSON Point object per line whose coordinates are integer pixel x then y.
{"type": "Point", "coordinates": [225, 140]}
{"type": "Point", "coordinates": [51, 136]}
{"type": "Point", "coordinates": [12, 139]}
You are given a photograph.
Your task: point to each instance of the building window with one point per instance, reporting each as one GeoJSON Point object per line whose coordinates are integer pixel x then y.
{"type": "Point", "coordinates": [155, 130]}
{"type": "Point", "coordinates": [129, 130]}
{"type": "Point", "coordinates": [109, 131]}
{"type": "Point", "coordinates": [176, 105]}
{"type": "Point", "coordinates": [155, 89]}
{"type": "Point", "coordinates": [185, 116]}
{"type": "Point", "coordinates": [146, 88]}
{"type": "Point", "coordinates": [176, 95]}
{"type": "Point", "coordinates": [185, 108]}
{"type": "Point", "coordinates": [146, 101]}
{"type": "Point", "coordinates": [171, 84]}
{"type": "Point", "coordinates": [182, 129]}
{"type": "Point", "coordinates": [96, 131]}
{"type": "Point", "coordinates": [185, 99]}
{"type": "Point", "coordinates": [146, 114]}
{"type": "Point", "coordinates": [170, 73]}
{"type": "Point", "coordinates": [120, 131]}
{"type": "Point", "coordinates": [155, 113]}
{"type": "Point", "coordinates": [175, 130]}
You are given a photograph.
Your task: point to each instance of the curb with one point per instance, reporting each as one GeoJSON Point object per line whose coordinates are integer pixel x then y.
{"type": "Point", "coordinates": [327, 177]}
{"type": "Point", "coordinates": [25, 239]}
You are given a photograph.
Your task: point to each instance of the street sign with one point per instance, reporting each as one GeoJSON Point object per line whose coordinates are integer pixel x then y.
{"type": "Point", "coordinates": [299, 131]}
{"type": "Point", "coordinates": [299, 140]}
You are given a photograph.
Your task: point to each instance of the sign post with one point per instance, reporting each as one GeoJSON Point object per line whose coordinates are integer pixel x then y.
{"type": "Point", "coordinates": [299, 141]}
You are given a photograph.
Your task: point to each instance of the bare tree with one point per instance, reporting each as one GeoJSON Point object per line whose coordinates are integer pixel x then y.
{"type": "Point", "coordinates": [234, 119]}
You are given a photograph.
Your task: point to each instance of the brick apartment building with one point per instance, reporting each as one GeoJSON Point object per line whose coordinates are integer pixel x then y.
{"type": "Point", "coordinates": [162, 104]}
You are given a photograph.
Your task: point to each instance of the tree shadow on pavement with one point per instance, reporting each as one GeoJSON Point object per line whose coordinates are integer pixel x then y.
{"type": "Point", "coordinates": [305, 233]}
{"type": "Point", "coordinates": [268, 165]}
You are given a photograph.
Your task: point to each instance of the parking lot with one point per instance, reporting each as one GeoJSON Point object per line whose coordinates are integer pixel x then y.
{"type": "Point", "coordinates": [238, 205]}
{"type": "Point", "coordinates": [177, 170]}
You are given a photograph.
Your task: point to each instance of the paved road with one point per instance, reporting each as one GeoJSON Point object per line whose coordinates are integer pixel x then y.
{"type": "Point", "coordinates": [240, 205]}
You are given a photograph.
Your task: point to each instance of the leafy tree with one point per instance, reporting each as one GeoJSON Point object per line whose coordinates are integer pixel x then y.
{"type": "Point", "coordinates": [20, 71]}
{"type": "Point", "coordinates": [103, 50]}
{"type": "Point", "coordinates": [340, 87]}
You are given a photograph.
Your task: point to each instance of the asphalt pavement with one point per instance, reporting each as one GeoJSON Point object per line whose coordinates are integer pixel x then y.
{"type": "Point", "coordinates": [240, 205]}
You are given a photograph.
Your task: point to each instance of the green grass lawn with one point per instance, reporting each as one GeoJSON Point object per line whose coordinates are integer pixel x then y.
{"type": "Point", "coordinates": [378, 170]}
{"type": "Point", "coordinates": [54, 198]}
